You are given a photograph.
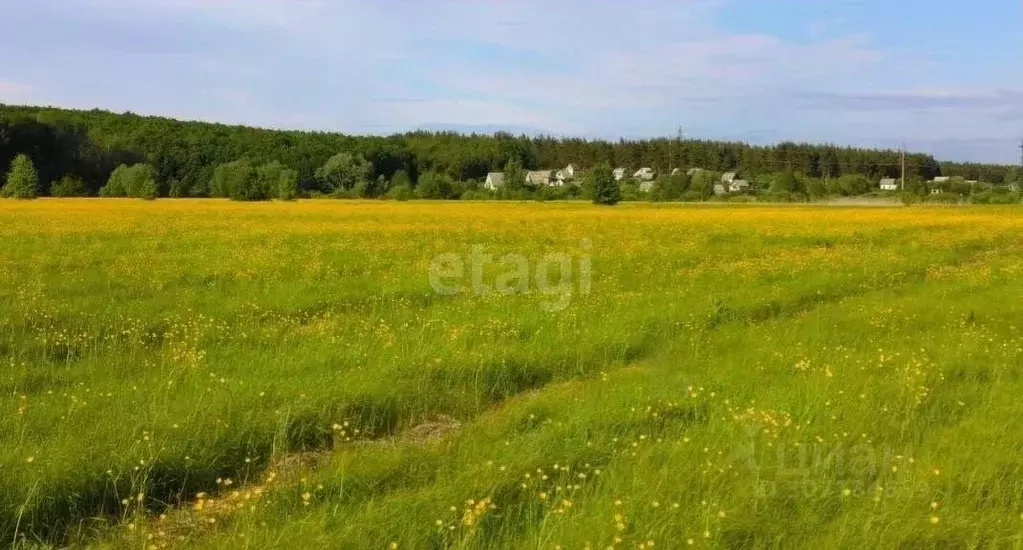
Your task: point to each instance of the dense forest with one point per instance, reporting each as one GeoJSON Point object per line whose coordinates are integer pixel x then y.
{"type": "Point", "coordinates": [184, 156]}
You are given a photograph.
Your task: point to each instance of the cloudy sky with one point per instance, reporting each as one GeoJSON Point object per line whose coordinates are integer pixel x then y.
{"type": "Point", "coordinates": [945, 77]}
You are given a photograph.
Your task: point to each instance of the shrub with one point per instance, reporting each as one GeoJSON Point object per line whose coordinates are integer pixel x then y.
{"type": "Point", "coordinates": [138, 180]}
{"type": "Point", "coordinates": [435, 186]}
{"type": "Point", "coordinates": [943, 198]}
{"type": "Point", "coordinates": [401, 193]}
{"type": "Point", "coordinates": [343, 172]}
{"type": "Point", "coordinates": [68, 186]}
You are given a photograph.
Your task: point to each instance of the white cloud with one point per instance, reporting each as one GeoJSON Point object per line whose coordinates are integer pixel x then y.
{"type": "Point", "coordinates": [592, 67]}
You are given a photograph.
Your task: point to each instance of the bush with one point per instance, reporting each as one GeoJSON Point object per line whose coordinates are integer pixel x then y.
{"type": "Point", "coordinates": [138, 181]}
{"type": "Point", "coordinates": [943, 198]}
{"type": "Point", "coordinates": [68, 186]}
{"type": "Point", "coordinates": [22, 180]}
{"type": "Point", "coordinates": [343, 172]}
{"type": "Point", "coordinates": [435, 186]}
{"type": "Point", "coordinates": [995, 197]}
{"type": "Point", "coordinates": [241, 181]}
{"type": "Point", "coordinates": [478, 195]}
{"type": "Point", "coordinates": [401, 193]}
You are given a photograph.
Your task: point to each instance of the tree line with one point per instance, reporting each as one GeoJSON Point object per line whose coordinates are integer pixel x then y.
{"type": "Point", "coordinates": [103, 153]}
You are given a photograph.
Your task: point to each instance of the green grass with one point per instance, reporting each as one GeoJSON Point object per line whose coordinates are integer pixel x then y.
{"type": "Point", "coordinates": [744, 377]}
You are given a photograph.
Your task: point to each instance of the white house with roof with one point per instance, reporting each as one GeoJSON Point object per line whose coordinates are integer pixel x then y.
{"type": "Point", "coordinates": [738, 186]}
{"type": "Point", "coordinates": [889, 184]}
{"type": "Point", "coordinates": [495, 180]}
{"type": "Point", "coordinates": [728, 177]}
{"type": "Point", "coordinates": [619, 174]}
{"type": "Point", "coordinates": [539, 178]}
{"type": "Point", "coordinates": [565, 174]}
{"type": "Point", "coordinates": [644, 174]}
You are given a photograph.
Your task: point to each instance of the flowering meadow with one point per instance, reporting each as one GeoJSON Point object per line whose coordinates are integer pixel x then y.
{"type": "Point", "coordinates": [209, 374]}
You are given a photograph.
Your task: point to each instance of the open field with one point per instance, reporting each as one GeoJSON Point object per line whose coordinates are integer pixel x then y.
{"type": "Point", "coordinates": [723, 377]}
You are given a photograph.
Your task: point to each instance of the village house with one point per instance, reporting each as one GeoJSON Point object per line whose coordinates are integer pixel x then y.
{"type": "Point", "coordinates": [720, 189]}
{"type": "Point", "coordinates": [728, 177]}
{"type": "Point", "coordinates": [619, 174]}
{"type": "Point", "coordinates": [889, 184]}
{"type": "Point", "coordinates": [644, 174]}
{"type": "Point", "coordinates": [495, 180]}
{"type": "Point", "coordinates": [565, 174]}
{"type": "Point", "coordinates": [539, 178]}
{"type": "Point", "coordinates": [738, 186]}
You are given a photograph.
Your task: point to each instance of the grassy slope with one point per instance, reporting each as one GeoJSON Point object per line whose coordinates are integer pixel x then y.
{"type": "Point", "coordinates": [158, 346]}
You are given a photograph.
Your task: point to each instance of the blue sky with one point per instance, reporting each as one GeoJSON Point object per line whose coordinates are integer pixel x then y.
{"type": "Point", "coordinates": [944, 77]}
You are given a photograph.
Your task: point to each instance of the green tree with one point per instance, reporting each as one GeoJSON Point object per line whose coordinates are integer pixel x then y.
{"type": "Point", "coordinates": [22, 179]}
{"type": "Point", "coordinates": [117, 184]}
{"type": "Point", "coordinates": [399, 179]}
{"type": "Point", "coordinates": [853, 184]}
{"type": "Point", "coordinates": [815, 188]}
{"type": "Point", "coordinates": [785, 182]}
{"type": "Point", "coordinates": [606, 190]}
{"type": "Point", "coordinates": [137, 180]}
{"type": "Point", "coordinates": [671, 188]}
{"type": "Point", "coordinates": [68, 186]}
{"type": "Point", "coordinates": [343, 171]}
{"type": "Point", "coordinates": [435, 186]}
{"type": "Point", "coordinates": [287, 185]}
{"type": "Point", "coordinates": [703, 182]}
{"type": "Point", "coordinates": [271, 180]}
{"type": "Point", "coordinates": [514, 176]}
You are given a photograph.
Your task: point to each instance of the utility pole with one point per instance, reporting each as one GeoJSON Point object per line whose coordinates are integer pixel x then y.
{"type": "Point", "coordinates": [1020, 177]}
{"type": "Point", "coordinates": [671, 157]}
{"type": "Point", "coordinates": [903, 166]}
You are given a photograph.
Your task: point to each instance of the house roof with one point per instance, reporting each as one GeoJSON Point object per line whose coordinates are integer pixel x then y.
{"type": "Point", "coordinates": [941, 179]}
{"type": "Point", "coordinates": [728, 176]}
{"type": "Point", "coordinates": [495, 177]}
{"type": "Point", "coordinates": [740, 183]}
{"type": "Point", "coordinates": [888, 181]}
